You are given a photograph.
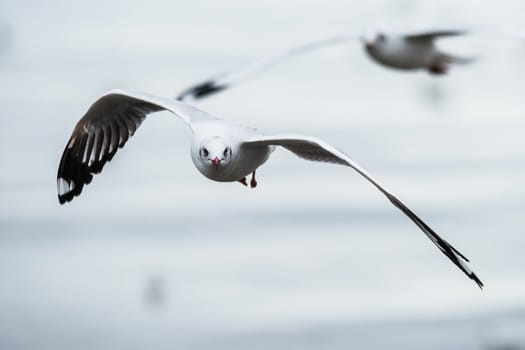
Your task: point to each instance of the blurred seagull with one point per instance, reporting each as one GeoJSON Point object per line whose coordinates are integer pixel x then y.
{"type": "Point", "coordinates": [220, 150]}
{"type": "Point", "coordinates": [409, 50]}
{"type": "Point", "coordinates": [413, 51]}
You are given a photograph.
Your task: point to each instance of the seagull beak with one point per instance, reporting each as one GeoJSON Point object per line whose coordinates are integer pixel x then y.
{"type": "Point", "coordinates": [367, 42]}
{"type": "Point", "coordinates": [216, 161]}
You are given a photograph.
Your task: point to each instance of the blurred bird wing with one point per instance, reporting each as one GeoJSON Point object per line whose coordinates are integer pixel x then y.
{"type": "Point", "coordinates": [430, 35]}
{"type": "Point", "coordinates": [314, 149]}
{"type": "Point", "coordinates": [229, 78]}
{"type": "Point", "coordinates": [480, 31]}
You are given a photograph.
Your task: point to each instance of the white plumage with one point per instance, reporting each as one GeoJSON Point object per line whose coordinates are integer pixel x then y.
{"type": "Point", "coordinates": [220, 150]}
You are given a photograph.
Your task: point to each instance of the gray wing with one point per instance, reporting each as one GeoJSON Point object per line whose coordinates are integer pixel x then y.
{"type": "Point", "coordinates": [230, 78]}
{"type": "Point", "coordinates": [317, 150]}
{"type": "Point", "coordinates": [106, 127]}
{"type": "Point", "coordinates": [481, 31]}
{"type": "Point", "coordinates": [433, 34]}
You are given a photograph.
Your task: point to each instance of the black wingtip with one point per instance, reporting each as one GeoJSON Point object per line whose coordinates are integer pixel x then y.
{"type": "Point", "coordinates": [63, 199]}
{"type": "Point", "coordinates": [68, 189]}
{"type": "Point", "coordinates": [477, 280]}
{"type": "Point", "coordinates": [458, 253]}
{"type": "Point", "coordinates": [446, 248]}
{"type": "Point", "coordinates": [202, 90]}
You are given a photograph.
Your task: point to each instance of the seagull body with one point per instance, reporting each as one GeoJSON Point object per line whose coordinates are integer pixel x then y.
{"type": "Point", "coordinates": [412, 51]}
{"type": "Point", "coordinates": [221, 143]}
{"type": "Point", "coordinates": [220, 150]}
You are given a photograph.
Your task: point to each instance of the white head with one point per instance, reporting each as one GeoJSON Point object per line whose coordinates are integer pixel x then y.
{"type": "Point", "coordinates": [215, 152]}
{"type": "Point", "coordinates": [373, 40]}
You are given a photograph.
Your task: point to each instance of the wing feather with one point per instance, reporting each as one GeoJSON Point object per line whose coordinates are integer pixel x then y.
{"type": "Point", "coordinates": [433, 34]}
{"type": "Point", "coordinates": [107, 125]}
{"type": "Point", "coordinates": [317, 150]}
{"type": "Point", "coordinates": [230, 78]}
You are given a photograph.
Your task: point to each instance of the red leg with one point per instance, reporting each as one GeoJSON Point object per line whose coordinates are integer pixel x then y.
{"type": "Point", "coordinates": [438, 68]}
{"type": "Point", "coordinates": [253, 182]}
{"type": "Point", "coordinates": [243, 181]}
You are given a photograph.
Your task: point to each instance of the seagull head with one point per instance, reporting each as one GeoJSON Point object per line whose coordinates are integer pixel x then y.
{"type": "Point", "coordinates": [215, 152]}
{"type": "Point", "coordinates": [372, 40]}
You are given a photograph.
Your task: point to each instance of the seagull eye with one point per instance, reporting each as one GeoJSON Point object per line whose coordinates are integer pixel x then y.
{"type": "Point", "coordinates": [226, 151]}
{"type": "Point", "coordinates": [381, 37]}
{"type": "Point", "coordinates": [205, 152]}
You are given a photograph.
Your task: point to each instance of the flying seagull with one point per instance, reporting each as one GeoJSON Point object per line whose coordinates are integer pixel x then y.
{"type": "Point", "coordinates": [405, 51]}
{"type": "Point", "coordinates": [413, 51]}
{"type": "Point", "coordinates": [220, 150]}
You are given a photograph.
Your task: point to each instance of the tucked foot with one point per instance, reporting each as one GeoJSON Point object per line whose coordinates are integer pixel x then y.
{"type": "Point", "coordinates": [243, 181]}
{"type": "Point", "coordinates": [253, 182]}
{"type": "Point", "coordinates": [438, 68]}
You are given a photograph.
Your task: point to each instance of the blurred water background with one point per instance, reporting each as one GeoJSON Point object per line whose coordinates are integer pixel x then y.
{"type": "Point", "coordinates": [153, 255]}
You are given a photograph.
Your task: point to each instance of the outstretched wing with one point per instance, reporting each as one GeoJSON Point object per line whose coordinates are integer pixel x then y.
{"type": "Point", "coordinates": [481, 31]}
{"type": "Point", "coordinates": [316, 150]}
{"type": "Point", "coordinates": [106, 127]}
{"type": "Point", "coordinates": [227, 79]}
{"type": "Point", "coordinates": [430, 35]}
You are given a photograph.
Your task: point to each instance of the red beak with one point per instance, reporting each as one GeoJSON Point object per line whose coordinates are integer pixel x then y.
{"type": "Point", "coordinates": [216, 161]}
